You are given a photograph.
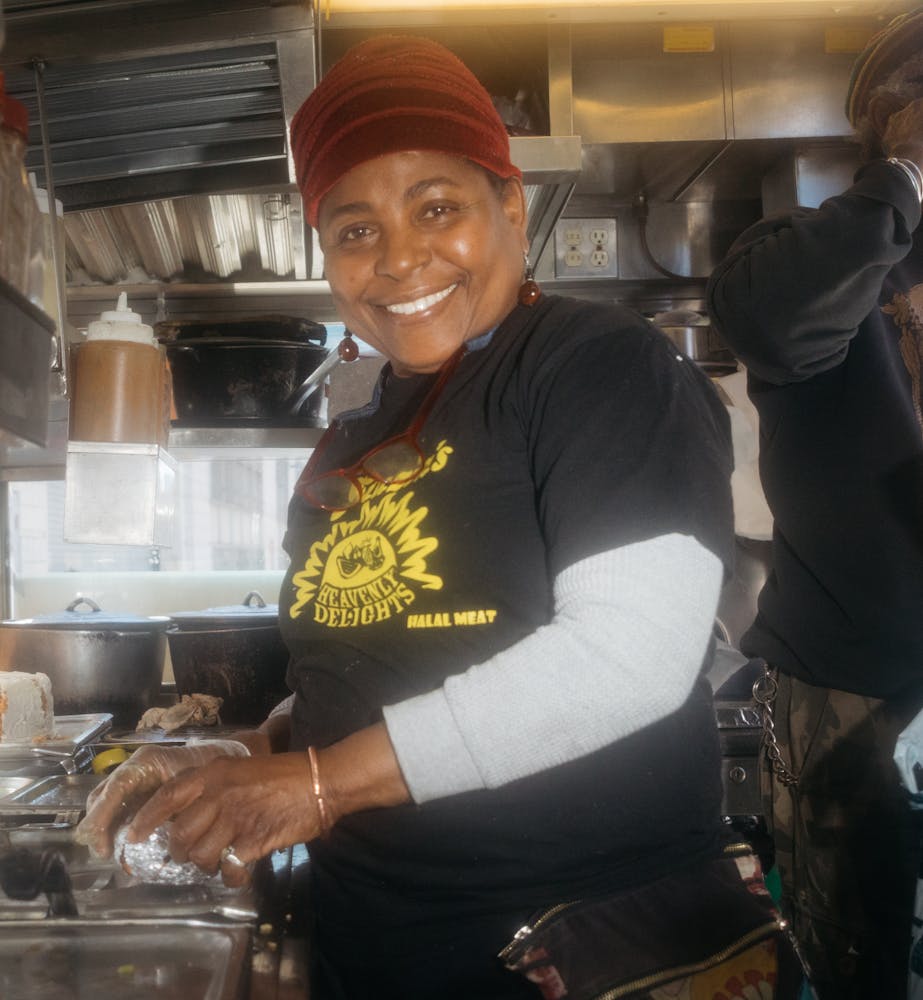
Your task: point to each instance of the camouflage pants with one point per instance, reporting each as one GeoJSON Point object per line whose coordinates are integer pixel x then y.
{"type": "Point", "coordinates": [847, 844]}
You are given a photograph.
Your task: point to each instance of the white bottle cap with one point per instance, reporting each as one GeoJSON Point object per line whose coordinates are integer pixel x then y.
{"type": "Point", "coordinates": [121, 324]}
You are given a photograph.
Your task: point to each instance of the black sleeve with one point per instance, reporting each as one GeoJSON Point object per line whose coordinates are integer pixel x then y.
{"type": "Point", "coordinates": [793, 289]}
{"type": "Point", "coordinates": [628, 441]}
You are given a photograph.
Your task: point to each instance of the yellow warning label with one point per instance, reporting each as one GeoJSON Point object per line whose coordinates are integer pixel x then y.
{"type": "Point", "coordinates": [689, 38]}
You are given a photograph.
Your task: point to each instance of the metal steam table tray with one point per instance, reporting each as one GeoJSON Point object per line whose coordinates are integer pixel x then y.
{"type": "Point", "coordinates": [71, 733]}
{"type": "Point", "coordinates": [129, 959]}
{"type": "Point", "coordinates": [132, 739]}
{"type": "Point", "coordinates": [52, 795]}
{"type": "Point", "coordinates": [103, 891]}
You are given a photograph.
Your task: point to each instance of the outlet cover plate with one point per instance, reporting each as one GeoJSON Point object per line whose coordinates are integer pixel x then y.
{"type": "Point", "coordinates": [586, 248]}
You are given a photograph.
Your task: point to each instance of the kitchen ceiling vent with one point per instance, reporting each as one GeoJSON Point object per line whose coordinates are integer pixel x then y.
{"type": "Point", "coordinates": [157, 126]}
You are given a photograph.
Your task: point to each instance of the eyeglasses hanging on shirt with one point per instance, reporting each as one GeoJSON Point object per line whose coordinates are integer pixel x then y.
{"type": "Point", "coordinates": [395, 462]}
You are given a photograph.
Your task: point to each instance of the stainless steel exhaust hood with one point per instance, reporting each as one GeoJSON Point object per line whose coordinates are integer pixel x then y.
{"type": "Point", "coordinates": [257, 236]}
{"type": "Point", "coordinates": [167, 129]}
{"type": "Point", "coordinates": [172, 159]}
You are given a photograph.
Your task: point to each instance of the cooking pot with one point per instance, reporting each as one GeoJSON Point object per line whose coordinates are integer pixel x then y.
{"type": "Point", "coordinates": [97, 662]}
{"type": "Point", "coordinates": [235, 653]}
{"type": "Point", "coordinates": [693, 334]}
{"type": "Point", "coordinates": [245, 373]}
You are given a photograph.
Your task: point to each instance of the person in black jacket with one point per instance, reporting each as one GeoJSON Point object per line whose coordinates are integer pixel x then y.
{"type": "Point", "coordinates": [825, 309]}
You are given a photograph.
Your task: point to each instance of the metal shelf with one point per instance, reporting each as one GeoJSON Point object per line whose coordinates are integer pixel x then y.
{"type": "Point", "coordinates": [186, 444]}
{"type": "Point", "coordinates": [204, 443]}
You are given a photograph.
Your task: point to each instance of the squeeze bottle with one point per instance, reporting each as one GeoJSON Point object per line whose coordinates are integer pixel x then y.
{"type": "Point", "coordinates": [120, 382]}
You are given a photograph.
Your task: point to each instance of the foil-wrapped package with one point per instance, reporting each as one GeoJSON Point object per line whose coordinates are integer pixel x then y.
{"type": "Point", "coordinates": [150, 861]}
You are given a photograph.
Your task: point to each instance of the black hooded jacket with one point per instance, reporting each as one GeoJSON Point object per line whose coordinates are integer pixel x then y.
{"type": "Point", "coordinates": [825, 308]}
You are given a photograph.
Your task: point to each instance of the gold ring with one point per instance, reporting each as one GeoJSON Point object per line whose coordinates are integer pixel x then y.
{"type": "Point", "coordinates": [228, 855]}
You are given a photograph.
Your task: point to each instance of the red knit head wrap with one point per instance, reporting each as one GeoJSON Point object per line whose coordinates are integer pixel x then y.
{"type": "Point", "coordinates": [387, 95]}
{"type": "Point", "coordinates": [900, 40]}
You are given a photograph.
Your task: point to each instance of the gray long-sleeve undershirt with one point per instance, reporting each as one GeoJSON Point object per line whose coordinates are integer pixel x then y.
{"type": "Point", "coordinates": [625, 644]}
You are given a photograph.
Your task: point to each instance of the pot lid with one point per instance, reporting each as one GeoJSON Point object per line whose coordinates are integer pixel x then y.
{"type": "Point", "coordinates": [292, 329]}
{"type": "Point", "coordinates": [92, 618]}
{"type": "Point", "coordinates": [680, 318]}
{"type": "Point", "coordinates": [250, 613]}
{"type": "Point", "coordinates": [229, 343]}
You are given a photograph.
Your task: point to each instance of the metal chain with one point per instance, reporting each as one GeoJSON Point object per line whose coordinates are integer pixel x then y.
{"type": "Point", "coordinates": [765, 690]}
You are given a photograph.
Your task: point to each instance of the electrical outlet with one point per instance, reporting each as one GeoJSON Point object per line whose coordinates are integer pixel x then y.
{"type": "Point", "coordinates": [585, 248]}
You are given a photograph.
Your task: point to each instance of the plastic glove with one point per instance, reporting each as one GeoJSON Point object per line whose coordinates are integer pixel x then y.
{"type": "Point", "coordinates": [114, 801]}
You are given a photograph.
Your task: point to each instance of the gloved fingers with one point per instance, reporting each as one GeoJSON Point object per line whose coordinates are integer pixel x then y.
{"type": "Point", "coordinates": [110, 805]}
{"type": "Point", "coordinates": [213, 839]}
{"type": "Point", "coordinates": [200, 826]}
{"type": "Point", "coordinates": [172, 803]}
{"type": "Point", "coordinates": [113, 802]}
{"type": "Point", "coordinates": [205, 749]}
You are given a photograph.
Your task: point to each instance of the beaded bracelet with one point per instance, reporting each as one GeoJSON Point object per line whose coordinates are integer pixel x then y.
{"type": "Point", "coordinates": [912, 172]}
{"type": "Point", "coordinates": [318, 793]}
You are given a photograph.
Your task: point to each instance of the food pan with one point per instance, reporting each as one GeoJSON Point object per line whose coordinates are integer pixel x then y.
{"type": "Point", "coordinates": [52, 794]}
{"type": "Point", "coordinates": [130, 960]}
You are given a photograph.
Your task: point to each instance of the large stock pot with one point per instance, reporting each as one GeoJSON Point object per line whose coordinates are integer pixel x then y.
{"type": "Point", "coordinates": [97, 662]}
{"type": "Point", "coordinates": [235, 653]}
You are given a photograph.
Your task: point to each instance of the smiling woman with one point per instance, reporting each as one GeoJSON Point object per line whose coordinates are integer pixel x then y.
{"type": "Point", "coordinates": [504, 571]}
{"type": "Point", "coordinates": [405, 253]}
{"type": "Point", "coordinates": [405, 235]}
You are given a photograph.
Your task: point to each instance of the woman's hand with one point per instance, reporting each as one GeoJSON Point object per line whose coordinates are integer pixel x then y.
{"type": "Point", "coordinates": [254, 805]}
{"type": "Point", "coordinates": [118, 797]}
{"type": "Point", "coordinates": [214, 800]}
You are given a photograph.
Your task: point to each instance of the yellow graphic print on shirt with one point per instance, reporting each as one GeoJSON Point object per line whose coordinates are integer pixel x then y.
{"type": "Point", "coordinates": [907, 312]}
{"type": "Point", "coordinates": [368, 569]}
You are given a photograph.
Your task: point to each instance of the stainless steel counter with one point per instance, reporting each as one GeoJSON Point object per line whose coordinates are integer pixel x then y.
{"type": "Point", "coordinates": [75, 918]}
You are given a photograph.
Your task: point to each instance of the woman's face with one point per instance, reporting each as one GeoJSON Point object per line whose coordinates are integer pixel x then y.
{"type": "Point", "coordinates": [422, 254]}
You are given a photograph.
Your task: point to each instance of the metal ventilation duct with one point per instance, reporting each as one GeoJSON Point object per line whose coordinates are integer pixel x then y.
{"type": "Point", "coordinates": [261, 236]}
{"type": "Point", "coordinates": [200, 238]}
{"type": "Point", "coordinates": [153, 127]}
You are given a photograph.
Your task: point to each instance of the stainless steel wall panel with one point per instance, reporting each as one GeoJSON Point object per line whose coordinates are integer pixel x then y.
{"type": "Point", "coordinates": [783, 84]}
{"type": "Point", "coordinates": [627, 89]}
{"type": "Point", "coordinates": [808, 176]}
{"type": "Point", "coordinates": [560, 81]}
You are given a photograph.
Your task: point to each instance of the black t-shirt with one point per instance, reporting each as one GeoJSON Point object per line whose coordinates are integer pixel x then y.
{"type": "Point", "coordinates": [574, 430]}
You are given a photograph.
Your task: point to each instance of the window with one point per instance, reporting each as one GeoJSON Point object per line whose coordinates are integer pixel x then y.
{"type": "Point", "coordinates": [227, 540]}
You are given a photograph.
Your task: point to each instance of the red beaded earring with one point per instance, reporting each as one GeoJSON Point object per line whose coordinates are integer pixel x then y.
{"type": "Point", "coordinates": [529, 291]}
{"type": "Point", "coordinates": [347, 349]}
